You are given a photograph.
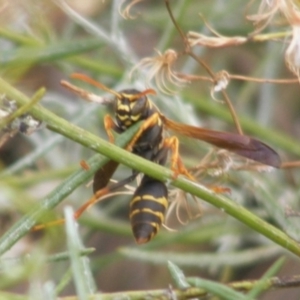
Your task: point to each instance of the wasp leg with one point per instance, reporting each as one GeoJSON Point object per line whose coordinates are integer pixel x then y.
{"type": "Point", "coordinates": [219, 189]}
{"type": "Point", "coordinates": [93, 200]}
{"type": "Point", "coordinates": [176, 163]}
{"type": "Point", "coordinates": [148, 123]}
{"type": "Point", "coordinates": [78, 212]}
{"type": "Point", "coordinates": [84, 165]}
{"type": "Point", "coordinates": [110, 126]}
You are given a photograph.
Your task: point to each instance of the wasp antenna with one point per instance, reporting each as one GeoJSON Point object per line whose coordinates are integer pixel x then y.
{"type": "Point", "coordinates": [135, 97]}
{"type": "Point", "coordinates": [149, 92]}
{"type": "Point", "coordinates": [93, 82]}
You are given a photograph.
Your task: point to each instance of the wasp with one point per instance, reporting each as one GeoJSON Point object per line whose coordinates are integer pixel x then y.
{"type": "Point", "coordinates": [150, 200]}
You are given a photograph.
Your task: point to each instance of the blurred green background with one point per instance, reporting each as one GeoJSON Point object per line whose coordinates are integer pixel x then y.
{"type": "Point", "coordinates": [43, 42]}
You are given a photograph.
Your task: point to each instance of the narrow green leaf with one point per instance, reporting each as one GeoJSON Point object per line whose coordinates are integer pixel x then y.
{"type": "Point", "coordinates": [217, 289]}
{"type": "Point", "coordinates": [178, 276]}
{"type": "Point", "coordinates": [204, 260]}
{"type": "Point", "coordinates": [44, 53]}
{"type": "Point", "coordinates": [263, 282]}
{"type": "Point", "coordinates": [83, 281]}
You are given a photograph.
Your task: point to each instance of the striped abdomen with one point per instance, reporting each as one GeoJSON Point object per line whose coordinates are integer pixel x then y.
{"type": "Point", "coordinates": [147, 209]}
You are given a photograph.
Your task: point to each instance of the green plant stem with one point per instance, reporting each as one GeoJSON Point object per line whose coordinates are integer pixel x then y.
{"type": "Point", "coordinates": [23, 109]}
{"type": "Point", "coordinates": [156, 171]}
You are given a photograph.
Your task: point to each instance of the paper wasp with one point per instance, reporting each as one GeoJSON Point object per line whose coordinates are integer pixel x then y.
{"type": "Point", "coordinates": [149, 202]}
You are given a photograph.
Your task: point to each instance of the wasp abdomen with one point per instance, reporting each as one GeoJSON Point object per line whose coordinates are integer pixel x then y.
{"type": "Point", "coordinates": [147, 209]}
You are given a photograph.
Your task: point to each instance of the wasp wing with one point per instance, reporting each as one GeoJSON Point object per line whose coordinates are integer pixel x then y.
{"type": "Point", "coordinates": [103, 175]}
{"type": "Point", "coordinates": [240, 144]}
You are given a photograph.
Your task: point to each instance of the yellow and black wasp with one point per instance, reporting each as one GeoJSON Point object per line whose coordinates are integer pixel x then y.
{"type": "Point", "coordinates": [150, 200]}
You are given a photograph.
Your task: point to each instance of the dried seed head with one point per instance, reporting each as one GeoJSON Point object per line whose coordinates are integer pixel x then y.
{"type": "Point", "coordinates": [292, 53]}
{"type": "Point", "coordinates": [222, 80]}
{"type": "Point", "coordinates": [160, 68]}
{"type": "Point", "coordinates": [126, 12]}
{"type": "Point", "coordinates": [195, 38]}
{"type": "Point", "coordinates": [268, 9]}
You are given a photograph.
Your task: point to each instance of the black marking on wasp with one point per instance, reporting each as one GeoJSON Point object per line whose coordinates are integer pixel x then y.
{"type": "Point", "coordinates": [149, 203]}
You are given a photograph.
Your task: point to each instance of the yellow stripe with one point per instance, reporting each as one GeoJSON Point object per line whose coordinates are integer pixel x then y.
{"type": "Point", "coordinates": [130, 97]}
{"type": "Point", "coordinates": [127, 123]}
{"type": "Point", "coordinates": [122, 118]}
{"type": "Point", "coordinates": [135, 117]}
{"type": "Point", "coordinates": [121, 106]}
{"type": "Point", "coordinates": [156, 226]}
{"type": "Point", "coordinates": [162, 200]}
{"type": "Point", "coordinates": [132, 104]}
{"type": "Point", "coordinates": [158, 214]}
